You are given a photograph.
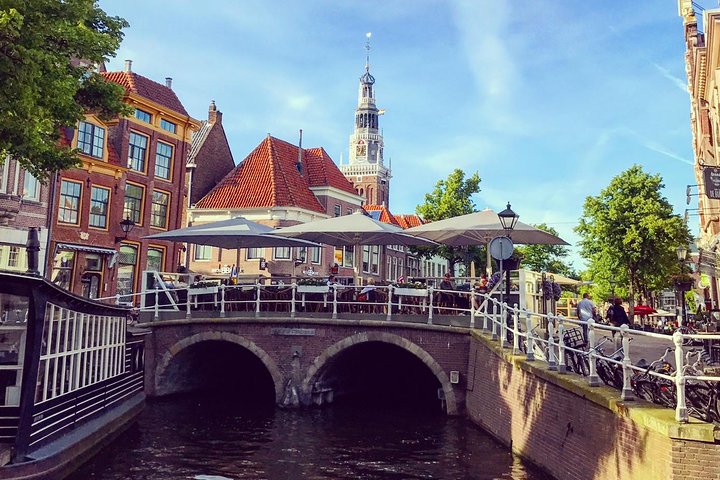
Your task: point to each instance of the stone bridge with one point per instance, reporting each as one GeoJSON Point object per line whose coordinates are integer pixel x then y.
{"type": "Point", "coordinates": [306, 361]}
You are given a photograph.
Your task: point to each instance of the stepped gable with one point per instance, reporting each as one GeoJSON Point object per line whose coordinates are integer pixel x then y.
{"type": "Point", "coordinates": [267, 177]}
{"type": "Point", "coordinates": [384, 214]}
{"type": "Point", "coordinates": [409, 220]}
{"type": "Point", "coordinates": [323, 172]}
{"type": "Point", "coordinates": [150, 89]}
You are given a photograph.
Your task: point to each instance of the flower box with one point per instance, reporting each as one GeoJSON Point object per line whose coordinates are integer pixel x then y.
{"type": "Point", "coordinates": [313, 288]}
{"type": "Point", "coordinates": [202, 290]}
{"type": "Point", "coordinates": [411, 292]}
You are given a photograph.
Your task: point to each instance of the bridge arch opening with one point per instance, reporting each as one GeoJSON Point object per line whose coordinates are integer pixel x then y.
{"type": "Point", "coordinates": [381, 374]}
{"type": "Point", "coordinates": [218, 367]}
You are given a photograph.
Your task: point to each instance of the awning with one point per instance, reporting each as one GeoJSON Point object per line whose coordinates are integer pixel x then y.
{"type": "Point", "coordinates": [84, 248]}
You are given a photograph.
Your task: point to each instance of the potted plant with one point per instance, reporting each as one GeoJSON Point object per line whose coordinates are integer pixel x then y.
{"type": "Point", "coordinates": [312, 285]}
{"type": "Point", "coordinates": [413, 289]}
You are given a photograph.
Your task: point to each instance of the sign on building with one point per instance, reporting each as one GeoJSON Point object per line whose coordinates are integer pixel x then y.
{"type": "Point", "coordinates": [712, 182]}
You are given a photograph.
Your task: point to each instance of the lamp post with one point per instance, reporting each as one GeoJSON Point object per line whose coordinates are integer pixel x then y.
{"type": "Point", "coordinates": [508, 220]}
{"type": "Point", "coordinates": [126, 226]}
{"type": "Point", "coordinates": [681, 254]}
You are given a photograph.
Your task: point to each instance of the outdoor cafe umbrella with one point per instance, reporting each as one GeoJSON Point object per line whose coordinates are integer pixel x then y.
{"type": "Point", "coordinates": [236, 233]}
{"type": "Point", "coordinates": [352, 230]}
{"type": "Point", "coordinates": [479, 228]}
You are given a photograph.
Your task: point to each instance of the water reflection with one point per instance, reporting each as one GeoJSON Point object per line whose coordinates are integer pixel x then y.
{"type": "Point", "coordinates": [207, 437]}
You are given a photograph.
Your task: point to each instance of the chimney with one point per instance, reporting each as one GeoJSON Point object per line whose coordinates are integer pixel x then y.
{"type": "Point", "coordinates": [168, 82]}
{"type": "Point", "coordinates": [300, 152]}
{"type": "Point", "coordinates": [128, 66]}
{"type": "Point", "coordinates": [214, 116]}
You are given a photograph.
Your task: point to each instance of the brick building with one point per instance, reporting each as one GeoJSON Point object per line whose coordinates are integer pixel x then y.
{"type": "Point", "coordinates": [133, 171]}
{"type": "Point", "coordinates": [23, 204]}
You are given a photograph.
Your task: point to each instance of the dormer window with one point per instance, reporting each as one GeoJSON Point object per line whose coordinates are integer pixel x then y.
{"type": "Point", "coordinates": [91, 139]}
{"type": "Point", "coordinates": [143, 115]}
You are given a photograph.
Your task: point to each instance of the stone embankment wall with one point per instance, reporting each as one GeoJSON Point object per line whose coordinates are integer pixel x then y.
{"type": "Point", "coordinates": [574, 431]}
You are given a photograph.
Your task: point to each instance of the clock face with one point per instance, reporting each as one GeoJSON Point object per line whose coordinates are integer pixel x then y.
{"type": "Point", "coordinates": [360, 150]}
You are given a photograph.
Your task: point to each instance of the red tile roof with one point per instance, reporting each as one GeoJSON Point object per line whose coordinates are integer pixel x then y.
{"type": "Point", "coordinates": [267, 177]}
{"type": "Point", "coordinates": [409, 220]}
{"type": "Point", "coordinates": [385, 215]}
{"type": "Point", "coordinates": [150, 89]}
{"type": "Point", "coordinates": [322, 171]}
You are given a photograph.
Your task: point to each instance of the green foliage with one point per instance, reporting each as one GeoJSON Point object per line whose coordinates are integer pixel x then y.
{"type": "Point", "coordinates": [450, 198]}
{"type": "Point", "coordinates": [545, 258]}
{"type": "Point", "coordinates": [44, 88]}
{"type": "Point", "coordinates": [629, 234]}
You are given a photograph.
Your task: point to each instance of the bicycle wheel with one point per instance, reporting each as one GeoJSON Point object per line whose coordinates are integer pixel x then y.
{"type": "Point", "coordinates": [698, 398]}
{"type": "Point", "coordinates": [666, 393]}
{"type": "Point", "coordinates": [603, 370]}
{"type": "Point", "coordinates": [645, 389]}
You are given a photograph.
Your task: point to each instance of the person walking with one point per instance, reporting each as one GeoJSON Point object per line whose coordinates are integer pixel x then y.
{"type": "Point", "coordinates": [585, 311]}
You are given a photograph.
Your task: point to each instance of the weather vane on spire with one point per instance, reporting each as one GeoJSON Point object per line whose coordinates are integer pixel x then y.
{"type": "Point", "coordinates": [367, 47]}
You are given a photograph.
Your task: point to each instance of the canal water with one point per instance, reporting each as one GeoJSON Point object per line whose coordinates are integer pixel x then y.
{"type": "Point", "coordinates": [206, 437]}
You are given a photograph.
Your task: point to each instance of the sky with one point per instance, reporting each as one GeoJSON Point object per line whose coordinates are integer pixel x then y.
{"type": "Point", "coordinates": [547, 100]}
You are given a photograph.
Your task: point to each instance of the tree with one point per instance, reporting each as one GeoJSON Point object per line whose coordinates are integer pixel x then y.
{"type": "Point", "coordinates": [629, 234]}
{"type": "Point", "coordinates": [48, 50]}
{"type": "Point", "coordinates": [451, 197]}
{"type": "Point", "coordinates": [545, 258]}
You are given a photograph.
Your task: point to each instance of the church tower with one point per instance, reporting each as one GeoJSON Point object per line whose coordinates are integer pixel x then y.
{"type": "Point", "coordinates": [366, 169]}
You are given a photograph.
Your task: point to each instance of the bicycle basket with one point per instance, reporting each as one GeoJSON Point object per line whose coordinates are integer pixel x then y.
{"type": "Point", "coordinates": [573, 338]}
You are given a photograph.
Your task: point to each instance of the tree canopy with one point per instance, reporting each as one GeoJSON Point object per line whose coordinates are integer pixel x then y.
{"type": "Point", "coordinates": [629, 234]}
{"type": "Point", "coordinates": [450, 198]}
{"type": "Point", "coordinates": [546, 258]}
{"type": "Point", "coordinates": [48, 53]}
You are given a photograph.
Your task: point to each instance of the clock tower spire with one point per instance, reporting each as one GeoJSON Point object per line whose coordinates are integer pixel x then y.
{"type": "Point", "coordinates": [366, 169]}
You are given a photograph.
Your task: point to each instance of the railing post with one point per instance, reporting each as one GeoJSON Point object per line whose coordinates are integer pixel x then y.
{"type": "Point", "coordinates": [561, 368]}
{"type": "Point", "coordinates": [485, 313]}
{"type": "Point", "coordinates": [292, 300]}
{"type": "Point", "coordinates": [472, 308]}
{"type": "Point", "coordinates": [157, 305]}
{"type": "Point", "coordinates": [627, 393]}
{"type": "Point", "coordinates": [593, 379]}
{"type": "Point", "coordinates": [516, 331]}
{"type": "Point", "coordinates": [681, 414]}
{"type": "Point", "coordinates": [117, 299]}
{"type": "Point", "coordinates": [389, 304]}
{"type": "Point", "coordinates": [529, 341]}
{"type": "Point", "coordinates": [494, 320]}
{"type": "Point", "coordinates": [222, 300]}
{"type": "Point", "coordinates": [552, 365]}
{"type": "Point", "coordinates": [187, 303]}
{"type": "Point", "coordinates": [257, 301]}
{"type": "Point", "coordinates": [430, 311]}
{"type": "Point", "coordinates": [335, 305]}
{"type": "Point", "coordinates": [502, 325]}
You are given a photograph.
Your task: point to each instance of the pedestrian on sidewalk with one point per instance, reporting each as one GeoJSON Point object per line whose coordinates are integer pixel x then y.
{"type": "Point", "coordinates": [585, 311]}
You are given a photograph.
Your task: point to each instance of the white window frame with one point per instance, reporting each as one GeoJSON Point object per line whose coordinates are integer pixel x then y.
{"type": "Point", "coordinates": [29, 178]}
{"type": "Point", "coordinates": [202, 253]}
{"type": "Point", "coordinates": [281, 253]}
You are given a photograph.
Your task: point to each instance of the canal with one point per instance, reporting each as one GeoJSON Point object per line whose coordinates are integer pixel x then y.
{"type": "Point", "coordinates": [208, 436]}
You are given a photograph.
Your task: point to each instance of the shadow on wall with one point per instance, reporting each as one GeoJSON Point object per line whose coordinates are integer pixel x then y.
{"type": "Point", "coordinates": [566, 434]}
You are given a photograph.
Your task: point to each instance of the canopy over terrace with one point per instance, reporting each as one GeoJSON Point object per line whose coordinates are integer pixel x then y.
{"type": "Point", "coordinates": [352, 230]}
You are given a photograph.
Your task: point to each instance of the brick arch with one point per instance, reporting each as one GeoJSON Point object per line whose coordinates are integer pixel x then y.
{"type": "Point", "coordinates": [321, 360]}
{"type": "Point", "coordinates": [186, 342]}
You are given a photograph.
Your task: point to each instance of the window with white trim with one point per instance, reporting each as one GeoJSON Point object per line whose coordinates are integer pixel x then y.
{"type": "Point", "coordinates": [315, 255]}
{"type": "Point", "coordinates": [31, 187]}
{"type": "Point", "coordinates": [281, 253]}
{"type": "Point", "coordinates": [202, 252]}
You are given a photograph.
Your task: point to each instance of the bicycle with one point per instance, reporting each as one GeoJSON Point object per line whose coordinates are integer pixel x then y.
{"type": "Point", "coordinates": [610, 373]}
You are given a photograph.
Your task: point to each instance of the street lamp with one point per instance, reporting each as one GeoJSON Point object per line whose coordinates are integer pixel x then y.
{"type": "Point", "coordinates": [126, 226]}
{"type": "Point", "coordinates": [508, 220]}
{"type": "Point", "coordinates": [681, 254]}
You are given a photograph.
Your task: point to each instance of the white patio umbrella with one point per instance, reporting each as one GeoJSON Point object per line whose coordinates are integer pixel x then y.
{"type": "Point", "coordinates": [352, 230]}
{"type": "Point", "coordinates": [479, 228]}
{"type": "Point", "coordinates": [236, 233]}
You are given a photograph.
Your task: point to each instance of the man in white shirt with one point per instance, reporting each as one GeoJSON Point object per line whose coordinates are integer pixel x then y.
{"type": "Point", "coordinates": [585, 311]}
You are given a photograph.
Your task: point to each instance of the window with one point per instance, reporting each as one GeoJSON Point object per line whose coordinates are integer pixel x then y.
{"type": "Point", "coordinates": [133, 202]}
{"type": "Point", "coordinates": [63, 264]}
{"type": "Point", "coordinates": [136, 152]}
{"type": "Point", "coordinates": [143, 115]}
{"type": "Point", "coordinates": [344, 256]}
{"type": "Point", "coordinates": [371, 254]}
{"type": "Point", "coordinates": [202, 252]}
{"type": "Point", "coordinates": [301, 254]}
{"type": "Point", "coordinates": [349, 211]}
{"type": "Point", "coordinates": [91, 139]}
{"type": "Point", "coordinates": [13, 256]}
{"type": "Point", "coordinates": [169, 126]}
{"type": "Point", "coordinates": [31, 187]}
{"type": "Point", "coordinates": [338, 210]}
{"type": "Point", "coordinates": [127, 260]}
{"type": "Point", "coordinates": [69, 205]}
{"type": "Point", "coordinates": [163, 160]}
{"type": "Point", "coordinates": [99, 199]}
{"type": "Point", "coordinates": [315, 254]}
{"type": "Point", "coordinates": [155, 259]}
{"type": "Point", "coordinates": [4, 172]}
{"type": "Point", "coordinates": [281, 253]}
{"type": "Point", "coordinates": [159, 212]}
{"type": "Point", "coordinates": [253, 253]}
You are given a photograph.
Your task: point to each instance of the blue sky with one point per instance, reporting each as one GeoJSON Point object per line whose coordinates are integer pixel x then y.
{"type": "Point", "coordinates": [547, 100]}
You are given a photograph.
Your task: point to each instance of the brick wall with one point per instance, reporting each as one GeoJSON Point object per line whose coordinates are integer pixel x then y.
{"type": "Point", "coordinates": [571, 435]}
